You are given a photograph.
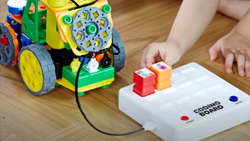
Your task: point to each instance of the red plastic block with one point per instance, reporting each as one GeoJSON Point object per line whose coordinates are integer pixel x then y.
{"type": "Point", "coordinates": [143, 91]}
{"type": "Point", "coordinates": [144, 77]}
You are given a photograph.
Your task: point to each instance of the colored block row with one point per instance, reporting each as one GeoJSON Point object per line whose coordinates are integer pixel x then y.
{"type": "Point", "coordinates": [147, 80]}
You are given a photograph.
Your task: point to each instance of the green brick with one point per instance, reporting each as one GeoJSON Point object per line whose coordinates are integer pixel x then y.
{"type": "Point", "coordinates": [86, 78]}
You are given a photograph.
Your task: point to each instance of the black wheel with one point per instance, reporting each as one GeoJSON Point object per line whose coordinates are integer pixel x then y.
{"type": "Point", "coordinates": [119, 60]}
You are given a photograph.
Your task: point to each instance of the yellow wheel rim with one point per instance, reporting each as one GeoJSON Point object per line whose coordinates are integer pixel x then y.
{"type": "Point", "coordinates": [31, 71]}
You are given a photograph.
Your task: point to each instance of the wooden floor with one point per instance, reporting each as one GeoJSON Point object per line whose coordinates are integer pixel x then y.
{"type": "Point", "coordinates": [55, 116]}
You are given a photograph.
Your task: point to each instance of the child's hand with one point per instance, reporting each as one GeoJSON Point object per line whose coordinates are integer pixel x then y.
{"type": "Point", "coordinates": [169, 52]}
{"type": "Point", "coordinates": [234, 47]}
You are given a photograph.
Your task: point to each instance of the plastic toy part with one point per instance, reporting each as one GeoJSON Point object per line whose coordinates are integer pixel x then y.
{"type": "Point", "coordinates": [144, 80]}
{"type": "Point", "coordinates": [67, 19]}
{"type": "Point", "coordinates": [144, 77]}
{"type": "Point", "coordinates": [105, 61]}
{"type": "Point", "coordinates": [16, 7]}
{"type": "Point", "coordinates": [149, 126]}
{"type": "Point", "coordinates": [87, 81]}
{"type": "Point", "coordinates": [106, 8]}
{"type": "Point", "coordinates": [25, 40]}
{"type": "Point", "coordinates": [57, 3]}
{"type": "Point", "coordinates": [67, 30]}
{"type": "Point", "coordinates": [53, 38]}
{"type": "Point", "coordinates": [32, 24]}
{"type": "Point", "coordinates": [162, 70]}
{"type": "Point", "coordinates": [14, 24]}
{"type": "Point", "coordinates": [143, 91]}
{"type": "Point", "coordinates": [37, 69]}
{"type": "Point", "coordinates": [61, 58]}
{"type": "Point", "coordinates": [233, 98]}
{"type": "Point", "coordinates": [9, 46]}
{"type": "Point", "coordinates": [75, 64]}
{"type": "Point", "coordinates": [91, 29]}
{"type": "Point", "coordinates": [198, 105]}
{"type": "Point", "coordinates": [92, 66]}
{"type": "Point", "coordinates": [164, 73]}
{"type": "Point", "coordinates": [119, 60]}
{"type": "Point", "coordinates": [4, 40]}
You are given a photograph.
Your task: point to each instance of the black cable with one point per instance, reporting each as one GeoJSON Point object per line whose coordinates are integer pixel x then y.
{"type": "Point", "coordinates": [80, 107]}
{"type": "Point", "coordinates": [84, 5]}
{"type": "Point", "coordinates": [77, 5]}
{"type": "Point", "coordinates": [116, 47]}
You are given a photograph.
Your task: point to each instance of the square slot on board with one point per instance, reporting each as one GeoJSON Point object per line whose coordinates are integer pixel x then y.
{"type": "Point", "coordinates": [192, 72]}
{"type": "Point", "coordinates": [185, 102]}
{"type": "Point", "coordinates": [202, 95]}
{"type": "Point", "coordinates": [170, 93]}
{"type": "Point", "coordinates": [178, 78]}
{"type": "Point", "coordinates": [189, 87]}
{"type": "Point", "coordinates": [205, 81]}
{"type": "Point", "coordinates": [219, 90]}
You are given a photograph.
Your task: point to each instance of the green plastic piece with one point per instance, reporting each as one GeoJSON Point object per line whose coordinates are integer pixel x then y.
{"type": "Point", "coordinates": [106, 8]}
{"type": "Point", "coordinates": [32, 24]}
{"type": "Point", "coordinates": [56, 84]}
{"type": "Point", "coordinates": [81, 94]}
{"type": "Point", "coordinates": [105, 87]}
{"type": "Point", "coordinates": [86, 78]}
{"type": "Point", "coordinates": [91, 29]}
{"type": "Point", "coordinates": [67, 46]}
{"type": "Point", "coordinates": [67, 19]}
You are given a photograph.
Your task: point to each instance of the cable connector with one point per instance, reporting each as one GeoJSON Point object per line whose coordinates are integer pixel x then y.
{"type": "Point", "coordinates": [149, 126]}
{"type": "Point", "coordinates": [92, 66]}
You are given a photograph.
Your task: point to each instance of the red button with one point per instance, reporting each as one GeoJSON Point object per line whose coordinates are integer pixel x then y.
{"type": "Point", "coordinates": [184, 118]}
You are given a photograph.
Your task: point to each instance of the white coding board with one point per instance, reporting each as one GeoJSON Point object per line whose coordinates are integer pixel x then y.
{"type": "Point", "coordinates": [198, 105]}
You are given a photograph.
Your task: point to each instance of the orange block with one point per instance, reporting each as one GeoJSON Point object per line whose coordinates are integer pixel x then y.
{"type": "Point", "coordinates": [162, 70]}
{"type": "Point", "coordinates": [161, 85]}
{"type": "Point", "coordinates": [99, 57]}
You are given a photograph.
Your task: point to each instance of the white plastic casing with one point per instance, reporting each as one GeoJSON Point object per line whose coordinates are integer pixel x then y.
{"type": "Point", "coordinates": [17, 3]}
{"type": "Point", "coordinates": [179, 112]}
{"type": "Point", "coordinates": [92, 66]}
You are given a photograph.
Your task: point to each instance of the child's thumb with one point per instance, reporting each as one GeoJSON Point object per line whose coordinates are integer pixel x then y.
{"type": "Point", "coordinates": [148, 57]}
{"type": "Point", "coordinates": [213, 51]}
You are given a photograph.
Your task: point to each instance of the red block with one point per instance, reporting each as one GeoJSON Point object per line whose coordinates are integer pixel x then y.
{"type": "Point", "coordinates": [143, 91]}
{"type": "Point", "coordinates": [144, 77]}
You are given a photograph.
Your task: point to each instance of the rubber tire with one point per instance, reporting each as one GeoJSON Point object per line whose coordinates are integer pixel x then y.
{"type": "Point", "coordinates": [47, 67]}
{"type": "Point", "coordinates": [6, 59]}
{"type": "Point", "coordinates": [119, 60]}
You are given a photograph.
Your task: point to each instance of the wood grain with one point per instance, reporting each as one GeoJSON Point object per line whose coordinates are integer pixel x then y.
{"type": "Point", "coordinates": [55, 116]}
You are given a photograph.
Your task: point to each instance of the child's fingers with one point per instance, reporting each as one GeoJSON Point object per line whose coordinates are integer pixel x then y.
{"type": "Point", "coordinates": [241, 64]}
{"type": "Point", "coordinates": [143, 65]}
{"type": "Point", "coordinates": [247, 68]}
{"type": "Point", "coordinates": [148, 57]}
{"type": "Point", "coordinates": [229, 62]}
{"type": "Point", "coordinates": [213, 51]}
